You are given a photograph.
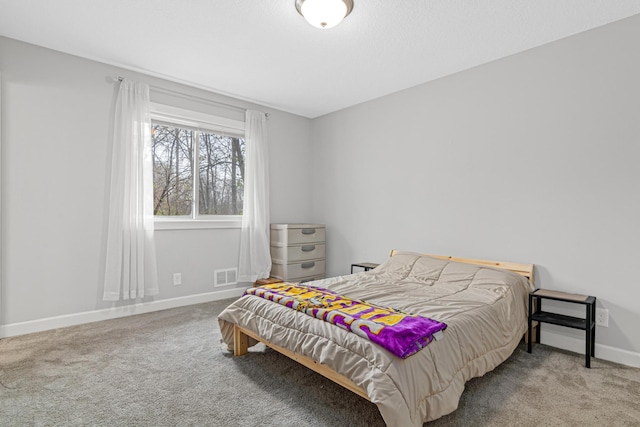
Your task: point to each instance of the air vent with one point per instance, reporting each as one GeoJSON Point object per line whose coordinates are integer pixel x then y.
{"type": "Point", "coordinates": [225, 277]}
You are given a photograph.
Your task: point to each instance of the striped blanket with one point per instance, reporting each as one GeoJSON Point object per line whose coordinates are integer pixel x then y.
{"type": "Point", "coordinates": [401, 333]}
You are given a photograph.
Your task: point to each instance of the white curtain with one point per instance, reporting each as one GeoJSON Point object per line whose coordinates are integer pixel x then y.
{"type": "Point", "coordinates": [255, 259]}
{"type": "Point", "coordinates": [130, 267]}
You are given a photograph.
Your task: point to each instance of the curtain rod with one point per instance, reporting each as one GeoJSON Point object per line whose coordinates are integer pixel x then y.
{"type": "Point", "coordinates": [196, 97]}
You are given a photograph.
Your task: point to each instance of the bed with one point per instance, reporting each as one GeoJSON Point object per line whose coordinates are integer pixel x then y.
{"type": "Point", "coordinates": [483, 304]}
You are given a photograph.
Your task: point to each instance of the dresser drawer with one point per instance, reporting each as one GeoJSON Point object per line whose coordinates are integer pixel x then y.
{"type": "Point", "coordinates": [297, 270]}
{"type": "Point", "coordinates": [294, 234]}
{"type": "Point", "coordinates": [293, 253]}
{"type": "Point", "coordinates": [309, 279]}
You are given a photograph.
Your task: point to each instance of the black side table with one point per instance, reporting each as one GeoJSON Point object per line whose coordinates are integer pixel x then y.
{"type": "Point", "coordinates": [366, 265]}
{"type": "Point", "coordinates": [588, 324]}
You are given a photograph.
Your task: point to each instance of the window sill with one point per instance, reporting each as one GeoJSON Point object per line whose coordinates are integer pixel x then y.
{"type": "Point", "coordinates": [194, 224]}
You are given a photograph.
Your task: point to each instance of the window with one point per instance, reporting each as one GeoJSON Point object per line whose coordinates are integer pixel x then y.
{"type": "Point", "coordinates": [198, 166]}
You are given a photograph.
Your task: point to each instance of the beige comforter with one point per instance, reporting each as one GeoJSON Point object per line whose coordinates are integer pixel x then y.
{"type": "Point", "coordinates": [484, 309]}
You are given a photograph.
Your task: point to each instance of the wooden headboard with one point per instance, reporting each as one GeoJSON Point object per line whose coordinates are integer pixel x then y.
{"type": "Point", "coordinates": [525, 270]}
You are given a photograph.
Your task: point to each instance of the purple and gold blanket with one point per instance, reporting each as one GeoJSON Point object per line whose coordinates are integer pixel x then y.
{"type": "Point", "coordinates": [401, 333]}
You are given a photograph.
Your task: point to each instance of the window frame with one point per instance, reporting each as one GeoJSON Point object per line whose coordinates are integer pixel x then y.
{"type": "Point", "coordinates": [168, 114]}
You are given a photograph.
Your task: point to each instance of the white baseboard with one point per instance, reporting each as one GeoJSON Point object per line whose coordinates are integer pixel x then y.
{"type": "Point", "coordinates": [39, 325]}
{"type": "Point", "coordinates": [550, 338]}
{"type": "Point", "coordinates": [604, 352]}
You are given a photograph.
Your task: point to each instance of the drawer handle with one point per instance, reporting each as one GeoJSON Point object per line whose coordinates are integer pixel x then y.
{"type": "Point", "coordinates": [308, 231]}
{"type": "Point", "coordinates": [308, 264]}
{"type": "Point", "coordinates": [308, 248]}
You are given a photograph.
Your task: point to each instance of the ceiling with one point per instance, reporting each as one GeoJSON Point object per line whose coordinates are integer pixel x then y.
{"type": "Point", "coordinates": [263, 51]}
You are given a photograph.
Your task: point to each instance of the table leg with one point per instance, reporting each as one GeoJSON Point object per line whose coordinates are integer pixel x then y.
{"type": "Point", "coordinates": [588, 334]}
{"type": "Point", "coordinates": [530, 324]}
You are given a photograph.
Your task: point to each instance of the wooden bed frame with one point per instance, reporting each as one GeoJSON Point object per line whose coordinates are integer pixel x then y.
{"type": "Point", "coordinates": [241, 341]}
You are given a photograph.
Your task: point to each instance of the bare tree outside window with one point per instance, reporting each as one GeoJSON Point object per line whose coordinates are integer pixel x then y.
{"type": "Point", "coordinates": [219, 171]}
{"type": "Point", "coordinates": [221, 174]}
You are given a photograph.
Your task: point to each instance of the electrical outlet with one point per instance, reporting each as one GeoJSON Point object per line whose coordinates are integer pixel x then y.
{"type": "Point", "coordinates": [177, 279]}
{"type": "Point", "coordinates": [602, 317]}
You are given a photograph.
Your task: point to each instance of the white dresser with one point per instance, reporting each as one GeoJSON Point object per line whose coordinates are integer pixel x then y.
{"type": "Point", "coordinates": [298, 252]}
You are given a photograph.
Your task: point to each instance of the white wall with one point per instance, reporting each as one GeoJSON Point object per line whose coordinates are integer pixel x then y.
{"type": "Point", "coordinates": [1, 102]}
{"type": "Point", "coordinates": [533, 158]}
{"type": "Point", "coordinates": [56, 113]}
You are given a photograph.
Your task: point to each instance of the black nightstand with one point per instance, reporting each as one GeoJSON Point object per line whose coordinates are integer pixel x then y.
{"type": "Point", "coordinates": [366, 265]}
{"type": "Point", "coordinates": [588, 324]}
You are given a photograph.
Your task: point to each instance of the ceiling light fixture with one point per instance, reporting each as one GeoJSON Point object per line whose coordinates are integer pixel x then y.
{"type": "Point", "coordinates": [324, 14]}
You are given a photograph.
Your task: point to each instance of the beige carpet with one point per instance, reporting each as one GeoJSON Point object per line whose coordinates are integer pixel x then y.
{"type": "Point", "coordinates": [169, 369]}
